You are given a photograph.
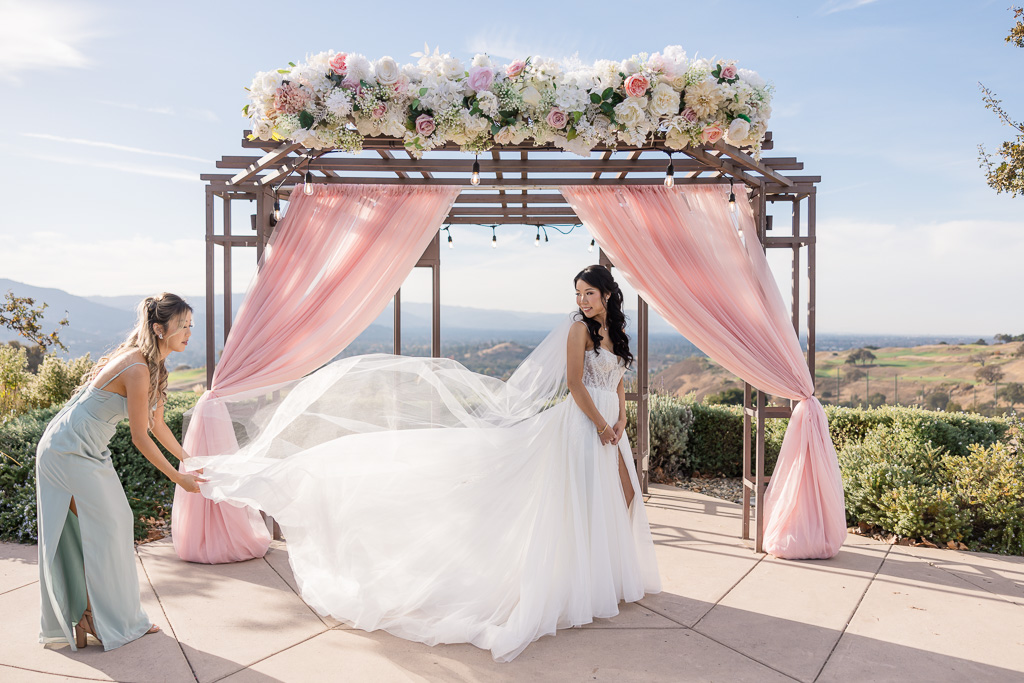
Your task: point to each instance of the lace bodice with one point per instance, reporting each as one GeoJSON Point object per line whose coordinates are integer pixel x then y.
{"type": "Point", "coordinates": [602, 370]}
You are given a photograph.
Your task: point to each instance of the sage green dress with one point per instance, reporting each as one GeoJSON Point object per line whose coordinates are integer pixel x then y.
{"type": "Point", "coordinates": [94, 551]}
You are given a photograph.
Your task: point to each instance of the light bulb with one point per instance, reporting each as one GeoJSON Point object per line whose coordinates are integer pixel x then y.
{"type": "Point", "coordinates": [591, 247]}
{"type": "Point", "coordinates": [308, 188]}
{"type": "Point", "coordinates": [277, 210]}
{"type": "Point", "coordinates": [732, 202]}
{"type": "Point", "coordinates": [475, 178]}
{"type": "Point", "coordinates": [494, 242]}
{"type": "Point", "coordinates": [451, 245]}
{"type": "Point", "coordinates": [670, 173]}
{"type": "Point", "coordinates": [536, 241]}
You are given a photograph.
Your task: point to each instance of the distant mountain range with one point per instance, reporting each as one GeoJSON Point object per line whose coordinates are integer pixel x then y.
{"type": "Point", "coordinates": [97, 323]}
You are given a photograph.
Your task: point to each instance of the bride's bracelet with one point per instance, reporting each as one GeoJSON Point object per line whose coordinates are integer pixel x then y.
{"type": "Point", "coordinates": [603, 430]}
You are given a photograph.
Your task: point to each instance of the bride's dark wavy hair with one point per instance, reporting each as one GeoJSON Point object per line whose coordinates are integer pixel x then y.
{"type": "Point", "coordinates": [601, 277]}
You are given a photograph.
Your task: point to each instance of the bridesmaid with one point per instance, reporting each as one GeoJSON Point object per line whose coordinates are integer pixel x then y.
{"type": "Point", "coordinates": [87, 573]}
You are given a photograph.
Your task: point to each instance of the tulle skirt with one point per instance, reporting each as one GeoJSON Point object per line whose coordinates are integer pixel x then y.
{"type": "Point", "coordinates": [482, 535]}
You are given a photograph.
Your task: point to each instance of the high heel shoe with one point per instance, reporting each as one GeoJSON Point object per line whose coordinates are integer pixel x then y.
{"type": "Point", "coordinates": [85, 626]}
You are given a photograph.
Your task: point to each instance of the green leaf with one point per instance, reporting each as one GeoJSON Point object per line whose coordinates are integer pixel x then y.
{"type": "Point", "coordinates": [245, 110]}
{"type": "Point", "coordinates": [607, 93]}
{"type": "Point", "coordinates": [423, 91]}
{"type": "Point", "coordinates": [495, 128]}
{"type": "Point", "coordinates": [608, 109]}
{"type": "Point", "coordinates": [595, 98]}
{"type": "Point", "coordinates": [416, 104]}
{"type": "Point", "coordinates": [572, 134]}
{"type": "Point", "coordinates": [305, 119]}
{"type": "Point", "coordinates": [576, 116]}
{"type": "Point", "coordinates": [744, 117]}
{"type": "Point", "coordinates": [284, 71]}
{"type": "Point", "coordinates": [291, 63]}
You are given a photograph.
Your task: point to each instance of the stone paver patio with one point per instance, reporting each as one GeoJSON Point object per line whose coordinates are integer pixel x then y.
{"type": "Point", "coordinates": [873, 613]}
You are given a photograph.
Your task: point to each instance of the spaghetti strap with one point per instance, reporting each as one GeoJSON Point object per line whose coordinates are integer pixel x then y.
{"type": "Point", "coordinates": [118, 375]}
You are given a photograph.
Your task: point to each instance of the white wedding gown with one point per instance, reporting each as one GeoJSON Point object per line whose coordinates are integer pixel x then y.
{"type": "Point", "coordinates": [444, 506]}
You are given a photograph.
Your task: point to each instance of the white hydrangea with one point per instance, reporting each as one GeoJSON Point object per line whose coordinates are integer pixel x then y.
{"type": "Point", "coordinates": [481, 59]}
{"type": "Point", "coordinates": [751, 78]}
{"type": "Point", "coordinates": [488, 103]}
{"type": "Point", "coordinates": [572, 98]}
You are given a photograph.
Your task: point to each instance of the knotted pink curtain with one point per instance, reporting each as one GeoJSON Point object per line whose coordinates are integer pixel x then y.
{"type": "Point", "coordinates": [707, 275]}
{"type": "Point", "coordinates": [335, 261]}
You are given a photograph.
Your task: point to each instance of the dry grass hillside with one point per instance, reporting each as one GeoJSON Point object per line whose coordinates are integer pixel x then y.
{"type": "Point", "coordinates": [904, 375]}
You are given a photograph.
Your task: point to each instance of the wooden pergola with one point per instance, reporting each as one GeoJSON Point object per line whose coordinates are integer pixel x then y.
{"type": "Point", "coordinates": [519, 186]}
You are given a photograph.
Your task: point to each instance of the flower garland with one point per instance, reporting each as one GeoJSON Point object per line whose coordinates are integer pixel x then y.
{"type": "Point", "coordinates": [334, 100]}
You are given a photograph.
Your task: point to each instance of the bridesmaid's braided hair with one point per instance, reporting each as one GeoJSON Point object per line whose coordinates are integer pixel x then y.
{"type": "Point", "coordinates": [162, 310]}
{"type": "Point", "coordinates": [615, 319]}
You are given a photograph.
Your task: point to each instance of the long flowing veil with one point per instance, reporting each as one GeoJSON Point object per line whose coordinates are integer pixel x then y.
{"type": "Point", "coordinates": [381, 392]}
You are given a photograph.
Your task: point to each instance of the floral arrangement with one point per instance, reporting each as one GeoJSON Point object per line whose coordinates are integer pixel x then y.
{"type": "Point", "coordinates": [335, 99]}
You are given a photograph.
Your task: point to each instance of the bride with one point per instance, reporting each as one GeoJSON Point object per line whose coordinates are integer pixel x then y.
{"type": "Point", "coordinates": [445, 506]}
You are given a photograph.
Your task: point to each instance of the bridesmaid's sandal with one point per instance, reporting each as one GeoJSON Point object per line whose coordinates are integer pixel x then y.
{"type": "Point", "coordinates": [153, 629]}
{"type": "Point", "coordinates": [85, 626]}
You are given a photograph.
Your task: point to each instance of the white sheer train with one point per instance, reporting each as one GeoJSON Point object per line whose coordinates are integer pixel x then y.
{"type": "Point", "coordinates": [445, 506]}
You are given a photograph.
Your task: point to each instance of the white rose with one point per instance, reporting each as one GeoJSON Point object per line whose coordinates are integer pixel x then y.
{"type": "Point", "coordinates": [387, 71]}
{"type": "Point", "coordinates": [531, 96]}
{"type": "Point", "coordinates": [474, 124]}
{"type": "Point", "coordinates": [504, 136]}
{"type": "Point", "coordinates": [394, 126]}
{"type": "Point", "coordinates": [481, 60]}
{"type": "Point", "coordinates": [629, 66]}
{"type": "Point", "coordinates": [452, 68]}
{"type": "Point", "coordinates": [664, 100]}
{"type": "Point", "coordinates": [738, 131]}
{"type": "Point", "coordinates": [630, 111]}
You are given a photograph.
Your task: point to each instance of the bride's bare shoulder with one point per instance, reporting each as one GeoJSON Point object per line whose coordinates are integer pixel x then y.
{"type": "Point", "coordinates": [579, 334]}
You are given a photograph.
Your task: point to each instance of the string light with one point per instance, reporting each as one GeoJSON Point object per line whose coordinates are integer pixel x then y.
{"type": "Point", "coordinates": [277, 210]}
{"type": "Point", "coordinates": [475, 177]}
{"type": "Point", "coordinates": [591, 247]}
{"type": "Point", "coordinates": [732, 198]}
{"type": "Point", "coordinates": [494, 236]}
{"type": "Point", "coordinates": [670, 172]}
{"type": "Point", "coordinates": [536, 241]}
{"type": "Point", "coordinates": [308, 187]}
{"type": "Point", "coordinates": [448, 229]}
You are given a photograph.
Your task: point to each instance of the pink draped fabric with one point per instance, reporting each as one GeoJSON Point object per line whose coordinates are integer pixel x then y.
{"type": "Point", "coordinates": [335, 261]}
{"type": "Point", "coordinates": [707, 275]}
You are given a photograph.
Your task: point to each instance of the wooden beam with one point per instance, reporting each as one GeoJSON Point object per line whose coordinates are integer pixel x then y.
{"type": "Point", "coordinates": [749, 162]}
{"type": "Point", "coordinates": [384, 154]}
{"type": "Point", "coordinates": [265, 162]}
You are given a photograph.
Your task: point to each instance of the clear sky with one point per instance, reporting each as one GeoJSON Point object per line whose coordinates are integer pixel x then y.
{"type": "Point", "coordinates": [112, 110]}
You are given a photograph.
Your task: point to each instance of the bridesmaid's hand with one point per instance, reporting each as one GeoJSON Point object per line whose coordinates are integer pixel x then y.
{"type": "Point", "coordinates": [190, 482]}
{"type": "Point", "coordinates": [619, 430]}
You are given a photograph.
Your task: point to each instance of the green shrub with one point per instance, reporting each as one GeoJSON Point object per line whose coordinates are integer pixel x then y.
{"type": "Point", "coordinates": [56, 380]}
{"type": "Point", "coordinates": [670, 424]}
{"type": "Point", "coordinates": [148, 491]}
{"type": "Point", "coordinates": [14, 380]}
{"type": "Point", "coordinates": [989, 484]}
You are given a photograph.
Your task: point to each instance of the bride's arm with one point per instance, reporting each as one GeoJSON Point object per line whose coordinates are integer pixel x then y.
{"type": "Point", "coordinates": [576, 347]}
{"type": "Point", "coordinates": [620, 425]}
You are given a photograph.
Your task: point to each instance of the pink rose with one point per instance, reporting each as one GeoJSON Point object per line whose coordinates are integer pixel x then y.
{"type": "Point", "coordinates": [636, 85]}
{"type": "Point", "coordinates": [380, 110]}
{"type": "Point", "coordinates": [662, 65]}
{"type": "Point", "coordinates": [515, 68]}
{"type": "Point", "coordinates": [712, 134]}
{"type": "Point", "coordinates": [689, 114]}
{"type": "Point", "coordinates": [729, 72]}
{"type": "Point", "coordinates": [425, 124]}
{"type": "Point", "coordinates": [337, 63]}
{"type": "Point", "coordinates": [557, 118]}
{"type": "Point", "coordinates": [480, 78]}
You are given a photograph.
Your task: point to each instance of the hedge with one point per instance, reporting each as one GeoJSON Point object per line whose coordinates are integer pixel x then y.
{"type": "Point", "coordinates": [148, 491]}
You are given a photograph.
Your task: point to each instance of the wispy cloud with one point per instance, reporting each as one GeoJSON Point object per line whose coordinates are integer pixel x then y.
{"type": "Point", "coordinates": [113, 146]}
{"type": "Point", "coordinates": [508, 44]}
{"type": "Point", "coordinates": [833, 6]}
{"type": "Point", "coordinates": [167, 172]}
{"type": "Point", "coordinates": [196, 114]}
{"type": "Point", "coordinates": [40, 36]}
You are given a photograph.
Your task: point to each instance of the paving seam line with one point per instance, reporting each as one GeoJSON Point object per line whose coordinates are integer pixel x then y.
{"type": "Point", "coordinates": [856, 607]}
{"type": "Point", "coordinates": [731, 588]}
{"type": "Point", "coordinates": [49, 673]}
{"type": "Point", "coordinates": [166, 616]}
{"type": "Point", "coordinates": [298, 595]}
{"type": "Point", "coordinates": [18, 588]}
{"type": "Point", "coordinates": [253, 663]}
{"type": "Point", "coordinates": [744, 654]}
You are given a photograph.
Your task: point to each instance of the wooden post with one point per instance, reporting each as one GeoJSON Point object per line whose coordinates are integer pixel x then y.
{"type": "Point", "coordinates": [643, 406]}
{"type": "Point", "coordinates": [746, 460]}
{"type": "Point", "coordinates": [228, 312]}
{"type": "Point", "coordinates": [811, 278]}
{"type": "Point", "coordinates": [759, 480]}
{"type": "Point", "coordinates": [211, 352]}
{"type": "Point", "coordinates": [398, 322]}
